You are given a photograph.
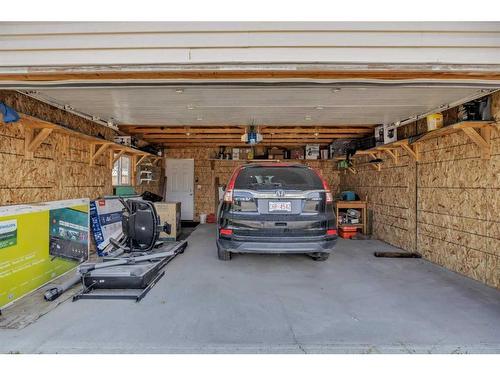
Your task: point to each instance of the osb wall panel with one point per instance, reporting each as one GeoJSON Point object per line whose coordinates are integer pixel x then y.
{"type": "Point", "coordinates": [156, 186]}
{"type": "Point", "coordinates": [390, 193]}
{"type": "Point", "coordinates": [458, 207]}
{"type": "Point", "coordinates": [55, 172]}
{"type": "Point", "coordinates": [447, 207]}
{"type": "Point", "coordinates": [35, 108]}
{"type": "Point", "coordinates": [206, 173]}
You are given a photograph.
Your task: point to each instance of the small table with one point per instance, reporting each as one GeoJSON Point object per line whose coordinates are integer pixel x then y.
{"type": "Point", "coordinates": [357, 205]}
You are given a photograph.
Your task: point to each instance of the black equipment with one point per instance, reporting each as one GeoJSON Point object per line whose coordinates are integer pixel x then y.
{"type": "Point", "coordinates": [140, 224]}
{"type": "Point", "coordinates": [136, 263]}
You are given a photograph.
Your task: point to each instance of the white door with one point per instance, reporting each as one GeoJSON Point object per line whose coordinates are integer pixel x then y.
{"type": "Point", "coordinates": [180, 180]}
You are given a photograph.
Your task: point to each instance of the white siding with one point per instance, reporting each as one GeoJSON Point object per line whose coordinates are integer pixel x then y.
{"type": "Point", "coordinates": [33, 44]}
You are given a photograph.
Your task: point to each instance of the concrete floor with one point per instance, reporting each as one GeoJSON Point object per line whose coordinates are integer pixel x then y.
{"type": "Point", "coordinates": [351, 303]}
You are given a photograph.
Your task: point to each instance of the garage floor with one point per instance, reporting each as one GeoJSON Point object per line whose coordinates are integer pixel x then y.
{"type": "Point", "coordinates": [352, 303]}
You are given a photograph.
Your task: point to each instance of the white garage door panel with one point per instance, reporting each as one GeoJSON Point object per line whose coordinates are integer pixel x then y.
{"type": "Point", "coordinates": [28, 28]}
{"type": "Point", "coordinates": [251, 55]}
{"type": "Point", "coordinates": [167, 40]}
{"type": "Point", "coordinates": [230, 105]}
{"type": "Point", "coordinates": [55, 44]}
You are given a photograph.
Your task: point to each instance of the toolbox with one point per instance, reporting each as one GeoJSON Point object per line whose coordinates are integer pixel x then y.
{"type": "Point", "coordinates": [347, 232]}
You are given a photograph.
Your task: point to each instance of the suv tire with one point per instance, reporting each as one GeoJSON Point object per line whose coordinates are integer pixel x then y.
{"type": "Point", "coordinates": [320, 257]}
{"type": "Point", "coordinates": [223, 254]}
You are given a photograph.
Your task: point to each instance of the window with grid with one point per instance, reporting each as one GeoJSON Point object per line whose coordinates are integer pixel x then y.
{"type": "Point", "coordinates": [121, 171]}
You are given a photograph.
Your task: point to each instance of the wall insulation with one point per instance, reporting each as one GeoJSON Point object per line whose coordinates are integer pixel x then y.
{"type": "Point", "coordinates": [446, 206]}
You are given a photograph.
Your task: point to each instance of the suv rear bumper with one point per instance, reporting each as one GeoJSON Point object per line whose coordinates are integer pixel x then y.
{"type": "Point", "coordinates": [283, 247]}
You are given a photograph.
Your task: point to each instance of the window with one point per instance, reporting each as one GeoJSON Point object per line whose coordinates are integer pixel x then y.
{"type": "Point", "coordinates": [265, 178]}
{"type": "Point", "coordinates": [121, 171]}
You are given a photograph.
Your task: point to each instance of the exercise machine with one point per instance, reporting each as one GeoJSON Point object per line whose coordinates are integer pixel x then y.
{"type": "Point", "coordinates": [135, 262]}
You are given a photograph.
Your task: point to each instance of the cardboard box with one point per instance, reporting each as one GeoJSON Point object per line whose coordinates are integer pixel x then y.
{"type": "Point", "coordinates": [236, 154]}
{"type": "Point", "coordinates": [40, 242]}
{"type": "Point", "coordinates": [125, 140]}
{"type": "Point", "coordinates": [379, 135]}
{"type": "Point", "coordinates": [170, 212]}
{"type": "Point", "coordinates": [390, 134]}
{"type": "Point", "coordinates": [297, 153]}
{"type": "Point", "coordinates": [312, 152]}
{"type": "Point", "coordinates": [385, 134]}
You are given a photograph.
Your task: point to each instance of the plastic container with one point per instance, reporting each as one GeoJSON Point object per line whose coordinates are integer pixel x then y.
{"type": "Point", "coordinates": [203, 218]}
{"type": "Point", "coordinates": [434, 121]}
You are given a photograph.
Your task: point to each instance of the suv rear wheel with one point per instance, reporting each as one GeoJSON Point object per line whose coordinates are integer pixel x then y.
{"type": "Point", "coordinates": [223, 254]}
{"type": "Point", "coordinates": [320, 257]}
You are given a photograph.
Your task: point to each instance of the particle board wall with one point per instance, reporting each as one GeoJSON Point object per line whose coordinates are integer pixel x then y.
{"type": "Point", "coordinates": [447, 207]}
{"type": "Point", "coordinates": [458, 207]}
{"type": "Point", "coordinates": [43, 111]}
{"type": "Point", "coordinates": [59, 169]}
{"type": "Point", "coordinates": [391, 197]}
{"type": "Point", "coordinates": [207, 172]}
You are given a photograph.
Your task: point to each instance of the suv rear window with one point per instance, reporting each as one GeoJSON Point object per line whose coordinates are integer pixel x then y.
{"type": "Point", "coordinates": [288, 178]}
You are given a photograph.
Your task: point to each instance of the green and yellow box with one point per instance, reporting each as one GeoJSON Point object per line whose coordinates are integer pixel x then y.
{"type": "Point", "coordinates": [39, 243]}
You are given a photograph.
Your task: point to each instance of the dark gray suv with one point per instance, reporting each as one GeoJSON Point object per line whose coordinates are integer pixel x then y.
{"type": "Point", "coordinates": [276, 208]}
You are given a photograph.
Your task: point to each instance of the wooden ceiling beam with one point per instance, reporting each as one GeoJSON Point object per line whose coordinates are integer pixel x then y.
{"type": "Point", "coordinates": [390, 74]}
{"type": "Point", "coordinates": [241, 144]}
{"type": "Point", "coordinates": [152, 138]}
{"type": "Point", "coordinates": [241, 130]}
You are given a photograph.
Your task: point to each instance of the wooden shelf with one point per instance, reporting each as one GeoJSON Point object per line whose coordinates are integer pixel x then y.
{"type": "Point", "coordinates": [37, 131]}
{"type": "Point", "coordinates": [478, 131]}
{"type": "Point", "coordinates": [351, 225]}
{"type": "Point", "coordinates": [357, 205]}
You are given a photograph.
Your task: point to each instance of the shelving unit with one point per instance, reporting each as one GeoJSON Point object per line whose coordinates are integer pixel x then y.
{"type": "Point", "coordinates": [478, 131]}
{"type": "Point", "coordinates": [357, 205]}
{"type": "Point", "coordinates": [37, 131]}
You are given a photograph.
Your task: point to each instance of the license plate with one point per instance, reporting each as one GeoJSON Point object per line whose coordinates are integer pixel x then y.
{"type": "Point", "coordinates": [280, 206]}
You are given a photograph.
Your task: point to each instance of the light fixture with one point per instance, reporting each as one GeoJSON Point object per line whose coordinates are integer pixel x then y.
{"type": "Point", "coordinates": [179, 91]}
{"type": "Point", "coordinates": [199, 118]}
{"type": "Point", "coordinates": [308, 118]}
{"type": "Point", "coordinates": [188, 134]}
{"type": "Point", "coordinates": [319, 107]}
{"type": "Point", "coordinates": [316, 135]}
{"type": "Point", "coordinates": [190, 107]}
{"type": "Point", "coordinates": [336, 89]}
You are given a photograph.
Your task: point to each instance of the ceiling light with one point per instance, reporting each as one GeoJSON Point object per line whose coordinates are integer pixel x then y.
{"type": "Point", "coordinates": [179, 91]}
{"type": "Point", "coordinates": [316, 134]}
{"type": "Point", "coordinates": [336, 89]}
{"type": "Point", "coordinates": [199, 118]}
{"type": "Point", "coordinates": [190, 107]}
{"type": "Point", "coordinates": [188, 134]}
{"type": "Point", "coordinates": [308, 118]}
{"type": "Point", "coordinates": [320, 107]}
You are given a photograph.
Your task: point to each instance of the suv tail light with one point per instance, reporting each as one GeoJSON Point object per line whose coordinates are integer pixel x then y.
{"type": "Point", "coordinates": [329, 196]}
{"type": "Point", "coordinates": [226, 232]}
{"type": "Point", "coordinates": [331, 232]}
{"type": "Point", "coordinates": [228, 194]}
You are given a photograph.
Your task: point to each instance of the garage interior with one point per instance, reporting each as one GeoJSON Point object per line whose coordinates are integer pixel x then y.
{"type": "Point", "coordinates": [434, 193]}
